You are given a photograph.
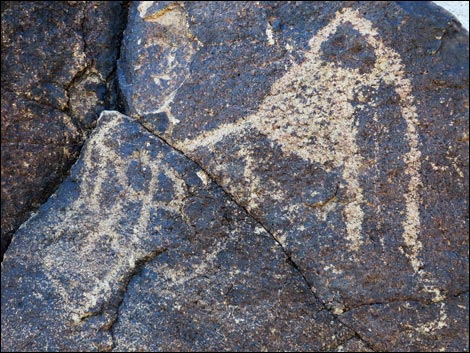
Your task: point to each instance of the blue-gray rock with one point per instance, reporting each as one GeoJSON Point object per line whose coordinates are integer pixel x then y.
{"type": "Point", "coordinates": [291, 176]}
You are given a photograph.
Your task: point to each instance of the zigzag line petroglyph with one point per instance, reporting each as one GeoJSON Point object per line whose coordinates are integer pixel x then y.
{"type": "Point", "coordinates": [325, 111]}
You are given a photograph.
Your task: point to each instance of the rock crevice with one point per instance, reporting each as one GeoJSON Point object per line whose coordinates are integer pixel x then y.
{"type": "Point", "coordinates": [57, 56]}
{"type": "Point", "coordinates": [289, 258]}
{"type": "Point", "coordinates": [289, 176]}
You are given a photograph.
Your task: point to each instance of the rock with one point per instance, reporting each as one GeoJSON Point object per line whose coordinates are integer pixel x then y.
{"type": "Point", "coordinates": [292, 176]}
{"type": "Point", "coordinates": [139, 250]}
{"type": "Point", "coordinates": [353, 345]}
{"type": "Point", "coordinates": [38, 144]}
{"type": "Point", "coordinates": [414, 325]}
{"type": "Point", "coordinates": [58, 63]}
{"type": "Point", "coordinates": [342, 128]}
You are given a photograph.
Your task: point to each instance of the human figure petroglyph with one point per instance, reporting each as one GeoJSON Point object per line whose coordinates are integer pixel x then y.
{"type": "Point", "coordinates": [112, 239]}
{"type": "Point", "coordinates": [309, 113]}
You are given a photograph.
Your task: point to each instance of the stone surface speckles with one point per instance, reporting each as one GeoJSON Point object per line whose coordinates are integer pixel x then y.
{"type": "Point", "coordinates": [288, 176]}
{"type": "Point", "coordinates": [136, 252]}
{"type": "Point", "coordinates": [156, 24]}
{"type": "Point", "coordinates": [415, 326]}
{"type": "Point", "coordinates": [342, 128]}
{"type": "Point", "coordinates": [353, 345]}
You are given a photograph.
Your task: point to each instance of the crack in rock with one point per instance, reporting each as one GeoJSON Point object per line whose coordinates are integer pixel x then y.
{"type": "Point", "coordinates": [140, 264]}
{"type": "Point", "coordinates": [186, 211]}
{"type": "Point", "coordinates": [289, 258]}
{"type": "Point", "coordinates": [66, 79]}
{"type": "Point", "coordinates": [130, 193]}
{"type": "Point", "coordinates": [346, 116]}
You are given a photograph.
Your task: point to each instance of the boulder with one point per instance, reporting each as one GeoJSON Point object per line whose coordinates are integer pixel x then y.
{"type": "Point", "coordinates": [342, 128]}
{"type": "Point", "coordinates": [288, 176]}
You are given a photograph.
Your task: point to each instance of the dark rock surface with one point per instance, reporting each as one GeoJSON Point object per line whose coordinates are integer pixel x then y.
{"type": "Point", "coordinates": [414, 326]}
{"type": "Point", "coordinates": [139, 250]}
{"type": "Point", "coordinates": [58, 65]}
{"type": "Point", "coordinates": [292, 176]}
{"type": "Point", "coordinates": [341, 127]}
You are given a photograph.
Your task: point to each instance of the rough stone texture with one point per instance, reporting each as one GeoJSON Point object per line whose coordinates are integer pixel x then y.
{"type": "Point", "coordinates": [354, 344]}
{"type": "Point", "coordinates": [58, 69]}
{"type": "Point", "coordinates": [139, 250]}
{"type": "Point", "coordinates": [342, 127]}
{"type": "Point", "coordinates": [413, 326]}
{"type": "Point", "coordinates": [312, 193]}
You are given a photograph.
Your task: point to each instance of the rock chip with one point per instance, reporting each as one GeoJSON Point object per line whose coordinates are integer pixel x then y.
{"type": "Point", "coordinates": [58, 64]}
{"type": "Point", "coordinates": [342, 128]}
{"type": "Point", "coordinates": [138, 250]}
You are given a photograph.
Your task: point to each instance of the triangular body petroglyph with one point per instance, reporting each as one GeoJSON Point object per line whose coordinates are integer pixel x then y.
{"type": "Point", "coordinates": [324, 110]}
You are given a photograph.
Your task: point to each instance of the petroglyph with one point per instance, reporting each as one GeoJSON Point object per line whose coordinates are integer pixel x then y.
{"type": "Point", "coordinates": [168, 32]}
{"type": "Point", "coordinates": [269, 34]}
{"type": "Point", "coordinates": [127, 243]}
{"type": "Point", "coordinates": [309, 113]}
{"type": "Point", "coordinates": [143, 7]}
{"type": "Point", "coordinates": [437, 324]}
{"type": "Point", "coordinates": [136, 217]}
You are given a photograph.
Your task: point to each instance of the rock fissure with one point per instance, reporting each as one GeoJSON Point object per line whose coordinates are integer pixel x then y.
{"type": "Point", "coordinates": [112, 79]}
{"type": "Point", "coordinates": [61, 96]}
{"type": "Point", "coordinates": [288, 257]}
{"type": "Point", "coordinates": [408, 300]}
{"type": "Point", "coordinates": [36, 100]}
{"type": "Point", "coordinates": [137, 271]}
{"type": "Point", "coordinates": [68, 109]}
{"type": "Point", "coordinates": [253, 131]}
